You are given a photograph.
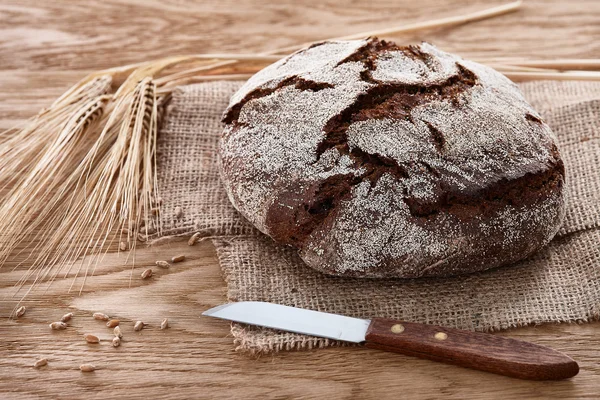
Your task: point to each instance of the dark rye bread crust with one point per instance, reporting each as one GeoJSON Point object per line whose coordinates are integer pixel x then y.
{"type": "Point", "coordinates": [394, 212]}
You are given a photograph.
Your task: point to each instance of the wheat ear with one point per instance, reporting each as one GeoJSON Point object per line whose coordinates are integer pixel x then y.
{"type": "Point", "coordinates": [83, 170]}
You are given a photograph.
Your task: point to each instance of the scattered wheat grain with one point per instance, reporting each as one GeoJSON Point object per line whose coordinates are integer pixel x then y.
{"type": "Point", "coordinates": [67, 317]}
{"type": "Point", "coordinates": [58, 326]}
{"type": "Point", "coordinates": [41, 362]}
{"type": "Point", "coordinates": [122, 246]}
{"type": "Point", "coordinates": [139, 325]}
{"type": "Point", "coordinates": [147, 273]}
{"type": "Point", "coordinates": [101, 316]}
{"type": "Point", "coordinates": [177, 259]}
{"type": "Point", "coordinates": [164, 324]}
{"type": "Point", "coordinates": [112, 323]}
{"type": "Point", "coordinates": [150, 225]}
{"type": "Point", "coordinates": [116, 342]}
{"type": "Point", "coordinates": [178, 212]}
{"type": "Point", "coordinates": [163, 264]}
{"type": "Point", "coordinates": [117, 332]}
{"type": "Point", "coordinates": [20, 311]}
{"type": "Point", "coordinates": [87, 368]}
{"type": "Point", "coordinates": [194, 239]}
{"type": "Point", "coordinates": [91, 338]}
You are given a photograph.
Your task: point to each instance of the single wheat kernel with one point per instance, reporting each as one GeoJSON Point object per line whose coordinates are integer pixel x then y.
{"type": "Point", "coordinates": [150, 225]}
{"type": "Point", "coordinates": [91, 338]}
{"type": "Point", "coordinates": [122, 246]}
{"type": "Point", "coordinates": [40, 363]}
{"type": "Point", "coordinates": [87, 368]}
{"type": "Point", "coordinates": [67, 317]}
{"type": "Point", "coordinates": [178, 212]}
{"type": "Point", "coordinates": [163, 264]}
{"type": "Point", "coordinates": [117, 332]}
{"type": "Point", "coordinates": [101, 316]}
{"type": "Point", "coordinates": [194, 239]}
{"type": "Point", "coordinates": [116, 342]}
{"type": "Point", "coordinates": [112, 323]}
{"type": "Point", "coordinates": [164, 324]}
{"type": "Point", "coordinates": [147, 273]}
{"type": "Point", "coordinates": [20, 311]}
{"type": "Point", "coordinates": [139, 325]}
{"type": "Point", "coordinates": [178, 258]}
{"type": "Point", "coordinates": [58, 326]}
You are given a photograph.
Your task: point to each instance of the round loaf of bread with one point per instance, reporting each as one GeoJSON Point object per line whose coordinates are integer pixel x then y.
{"type": "Point", "coordinates": [377, 160]}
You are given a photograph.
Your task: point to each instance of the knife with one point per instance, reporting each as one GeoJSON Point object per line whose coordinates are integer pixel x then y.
{"type": "Point", "coordinates": [482, 351]}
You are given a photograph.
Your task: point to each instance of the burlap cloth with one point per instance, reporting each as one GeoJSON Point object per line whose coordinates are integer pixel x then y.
{"type": "Point", "coordinates": [560, 283]}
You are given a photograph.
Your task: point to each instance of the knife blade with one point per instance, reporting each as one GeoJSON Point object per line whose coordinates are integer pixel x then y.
{"type": "Point", "coordinates": [481, 351]}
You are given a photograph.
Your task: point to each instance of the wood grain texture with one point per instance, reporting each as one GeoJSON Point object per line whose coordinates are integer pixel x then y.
{"type": "Point", "coordinates": [481, 351]}
{"type": "Point", "coordinates": [47, 46]}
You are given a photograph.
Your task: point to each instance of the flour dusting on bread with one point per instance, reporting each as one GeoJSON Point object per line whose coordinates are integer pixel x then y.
{"type": "Point", "coordinates": [377, 160]}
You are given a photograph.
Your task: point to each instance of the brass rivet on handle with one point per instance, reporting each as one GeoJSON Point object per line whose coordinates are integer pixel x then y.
{"type": "Point", "coordinates": [398, 328]}
{"type": "Point", "coordinates": [441, 336]}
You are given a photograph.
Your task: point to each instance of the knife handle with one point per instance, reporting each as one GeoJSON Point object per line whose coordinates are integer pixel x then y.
{"type": "Point", "coordinates": [482, 351]}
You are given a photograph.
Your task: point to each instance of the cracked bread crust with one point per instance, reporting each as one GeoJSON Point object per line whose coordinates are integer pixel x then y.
{"type": "Point", "coordinates": [377, 160]}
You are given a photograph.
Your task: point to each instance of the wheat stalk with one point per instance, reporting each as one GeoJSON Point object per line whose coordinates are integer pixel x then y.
{"type": "Point", "coordinates": [560, 64]}
{"type": "Point", "coordinates": [419, 26]}
{"type": "Point", "coordinates": [566, 75]}
{"type": "Point", "coordinates": [515, 68]}
{"type": "Point", "coordinates": [83, 170]}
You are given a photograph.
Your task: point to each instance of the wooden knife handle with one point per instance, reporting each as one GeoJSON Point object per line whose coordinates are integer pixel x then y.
{"type": "Point", "coordinates": [480, 351]}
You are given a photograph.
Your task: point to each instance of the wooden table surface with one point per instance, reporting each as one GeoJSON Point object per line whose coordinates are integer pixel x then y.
{"type": "Point", "coordinates": [47, 46]}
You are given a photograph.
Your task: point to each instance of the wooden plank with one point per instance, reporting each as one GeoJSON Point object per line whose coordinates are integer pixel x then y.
{"type": "Point", "coordinates": [47, 46]}
{"type": "Point", "coordinates": [195, 355]}
{"type": "Point", "coordinates": [63, 35]}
